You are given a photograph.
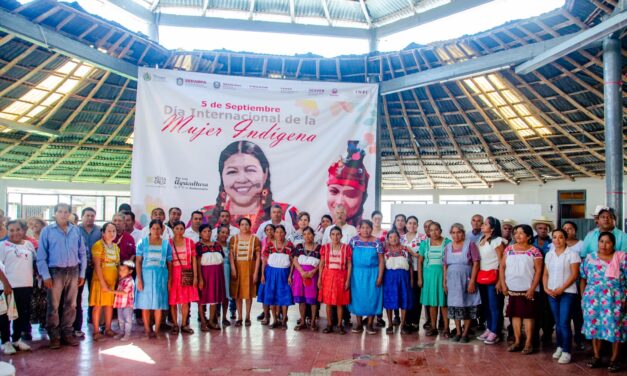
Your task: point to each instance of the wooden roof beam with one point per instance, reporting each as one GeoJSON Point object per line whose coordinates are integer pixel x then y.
{"type": "Point", "coordinates": [394, 148]}
{"type": "Point", "coordinates": [53, 40]}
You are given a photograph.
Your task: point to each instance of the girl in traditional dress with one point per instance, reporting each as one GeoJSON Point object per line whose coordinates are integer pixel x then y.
{"type": "Point", "coordinates": [397, 281]}
{"type": "Point", "coordinates": [184, 278]}
{"type": "Point", "coordinates": [211, 277]}
{"type": "Point", "coordinates": [461, 265]}
{"type": "Point", "coordinates": [366, 277]}
{"type": "Point", "coordinates": [306, 260]}
{"type": "Point", "coordinates": [412, 240]}
{"type": "Point", "coordinates": [245, 263]}
{"type": "Point", "coordinates": [106, 258]}
{"type": "Point", "coordinates": [274, 290]}
{"type": "Point", "coordinates": [335, 276]}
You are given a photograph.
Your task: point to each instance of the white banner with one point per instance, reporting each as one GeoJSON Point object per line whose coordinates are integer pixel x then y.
{"type": "Point", "coordinates": [207, 142]}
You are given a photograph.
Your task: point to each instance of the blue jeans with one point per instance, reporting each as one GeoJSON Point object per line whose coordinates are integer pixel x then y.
{"type": "Point", "coordinates": [125, 320]}
{"type": "Point", "coordinates": [492, 304]}
{"type": "Point", "coordinates": [561, 307]}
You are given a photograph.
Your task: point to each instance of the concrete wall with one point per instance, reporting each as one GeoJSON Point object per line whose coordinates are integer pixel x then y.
{"type": "Point", "coordinates": [528, 193]}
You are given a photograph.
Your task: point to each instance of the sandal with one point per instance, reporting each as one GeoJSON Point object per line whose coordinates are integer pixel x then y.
{"type": "Point", "coordinates": [110, 333]}
{"type": "Point", "coordinates": [431, 333]}
{"type": "Point", "coordinates": [527, 351]}
{"type": "Point", "coordinates": [299, 327]}
{"type": "Point", "coordinates": [187, 330]}
{"type": "Point", "coordinates": [247, 322]}
{"type": "Point", "coordinates": [514, 347]}
{"type": "Point", "coordinates": [174, 330]}
{"type": "Point", "coordinates": [226, 322]}
{"type": "Point", "coordinates": [204, 328]}
{"type": "Point", "coordinates": [275, 325]}
{"type": "Point", "coordinates": [342, 330]}
{"type": "Point", "coordinates": [594, 363]}
{"type": "Point", "coordinates": [613, 367]}
{"type": "Point", "coordinates": [446, 334]}
{"type": "Point", "coordinates": [314, 327]}
{"type": "Point", "coordinates": [284, 325]}
{"type": "Point", "coordinates": [213, 326]}
{"type": "Point", "coordinates": [389, 330]}
{"type": "Point", "coordinates": [238, 323]}
{"type": "Point", "coordinates": [265, 322]}
{"type": "Point", "coordinates": [328, 329]}
{"type": "Point", "coordinates": [97, 337]}
{"type": "Point", "coordinates": [357, 329]}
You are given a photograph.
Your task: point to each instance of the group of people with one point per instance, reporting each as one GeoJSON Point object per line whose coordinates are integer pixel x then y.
{"type": "Point", "coordinates": [465, 277]}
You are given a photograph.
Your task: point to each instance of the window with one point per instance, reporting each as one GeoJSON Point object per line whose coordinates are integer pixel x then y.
{"type": "Point", "coordinates": [388, 201]}
{"type": "Point", "coordinates": [26, 202]}
{"type": "Point", "coordinates": [507, 199]}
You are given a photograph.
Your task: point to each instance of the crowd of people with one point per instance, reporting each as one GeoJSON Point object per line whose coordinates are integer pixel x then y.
{"type": "Point", "coordinates": [541, 278]}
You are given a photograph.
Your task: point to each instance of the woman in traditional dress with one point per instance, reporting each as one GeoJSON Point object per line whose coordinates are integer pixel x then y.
{"type": "Point", "coordinates": [397, 281]}
{"type": "Point", "coordinates": [154, 264]}
{"type": "Point", "coordinates": [106, 258]}
{"type": "Point", "coordinates": [211, 281]}
{"type": "Point", "coordinates": [431, 276]}
{"type": "Point", "coordinates": [461, 265]}
{"type": "Point", "coordinates": [245, 262]}
{"type": "Point", "coordinates": [366, 277]}
{"type": "Point", "coordinates": [184, 278]}
{"type": "Point", "coordinates": [335, 276]}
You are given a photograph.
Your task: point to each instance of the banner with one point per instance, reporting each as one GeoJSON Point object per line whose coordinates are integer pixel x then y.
{"type": "Point", "coordinates": [211, 142]}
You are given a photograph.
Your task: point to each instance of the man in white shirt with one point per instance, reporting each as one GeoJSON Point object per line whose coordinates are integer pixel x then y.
{"type": "Point", "coordinates": [224, 219]}
{"type": "Point", "coordinates": [129, 221]}
{"type": "Point", "coordinates": [158, 213]}
{"type": "Point", "coordinates": [276, 218]}
{"type": "Point", "coordinates": [192, 231]}
{"type": "Point", "coordinates": [348, 231]}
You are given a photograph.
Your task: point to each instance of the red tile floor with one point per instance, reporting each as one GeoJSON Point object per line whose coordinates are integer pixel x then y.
{"type": "Point", "coordinates": [260, 350]}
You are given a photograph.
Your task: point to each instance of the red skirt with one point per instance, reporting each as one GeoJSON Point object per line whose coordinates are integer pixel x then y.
{"type": "Point", "coordinates": [332, 291]}
{"type": "Point", "coordinates": [214, 290]}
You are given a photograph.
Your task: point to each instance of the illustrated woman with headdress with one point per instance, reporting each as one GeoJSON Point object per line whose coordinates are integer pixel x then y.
{"type": "Point", "coordinates": [347, 184]}
{"type": "Point", "coordinates": [245, 187]}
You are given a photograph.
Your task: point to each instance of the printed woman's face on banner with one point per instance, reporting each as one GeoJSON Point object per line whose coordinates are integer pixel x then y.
{"type": "Point", "coordinates": [243, 179]}
{"type": "Point", "coordinates": [347, 196]}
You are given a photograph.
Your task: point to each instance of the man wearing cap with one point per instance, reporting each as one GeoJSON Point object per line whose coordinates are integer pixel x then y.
{"type": "Point", "coordinates": [507, 230]}
{"type": "Point", "coordinates": [606, 221]}
{"type": "Point", "coordinates": [543, 227]}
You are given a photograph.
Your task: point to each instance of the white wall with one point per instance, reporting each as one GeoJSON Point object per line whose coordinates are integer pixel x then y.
{"type": "Point", "coordinates": [528, 193]}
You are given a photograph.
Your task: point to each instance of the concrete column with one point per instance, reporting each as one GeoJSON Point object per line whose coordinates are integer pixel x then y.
{"type": "Point", "coordinates": [613, 109]}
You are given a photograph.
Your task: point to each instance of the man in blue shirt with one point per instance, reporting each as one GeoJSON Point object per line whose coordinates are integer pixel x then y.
{"type": "Point", "coordinates": [61, 261]}
{"type": "Point", "coordinates": [91, 234]}
{"type": "Point", "coordinates": [606, 222]}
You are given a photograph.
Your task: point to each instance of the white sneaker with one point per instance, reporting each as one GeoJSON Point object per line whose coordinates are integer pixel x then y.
{"type": "Point", "coordinates": [557, 353]}
{"type": "Point", "coordinates": [8, 348]}
{"type": "Point", "coordinates": [21, 345]}
{"type": "Point", "coordinates": [484, 335]}
{"type": "Point", "coordinates": [125, 338]}
{"type": "Point", "coordinates": [564, 359]}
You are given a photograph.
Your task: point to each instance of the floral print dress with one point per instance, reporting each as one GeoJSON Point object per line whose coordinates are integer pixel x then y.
{"type": "Point", "coordinates": [602, 301]}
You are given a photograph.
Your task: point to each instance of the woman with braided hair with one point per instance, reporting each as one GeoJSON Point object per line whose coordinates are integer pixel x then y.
{"type": "Point", "coordinates": [245, 187]}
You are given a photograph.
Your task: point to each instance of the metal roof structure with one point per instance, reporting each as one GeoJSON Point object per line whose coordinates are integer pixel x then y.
{"type": "Point", "coordinates": [68, 86]}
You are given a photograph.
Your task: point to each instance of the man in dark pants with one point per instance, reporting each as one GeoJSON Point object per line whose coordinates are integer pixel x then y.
{"type": "Point", "coordinates": [62, 262]}
{"type": "Point", "coordinates": [91, 234]}
{"type": "Point", "coordinates": [544, 320]}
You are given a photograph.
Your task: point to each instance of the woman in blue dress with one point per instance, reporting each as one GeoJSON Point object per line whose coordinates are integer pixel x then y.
{"type": "Point", "coordinates": [366, 277]}
{"type": "Point", "coordinates": [154, 264]}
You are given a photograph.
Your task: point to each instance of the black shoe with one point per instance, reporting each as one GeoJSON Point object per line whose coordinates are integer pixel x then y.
{"type": "Point", "coordinates": [26, 336]}
{"type": "Point", "coordinates": [259, 318]}
{"type": "Point", "coordinates": [397, 321]}
{"type": "Point", "coordinates": [232, 315]}
{"type": "Point", "coordinates": [55, 343]}
{"type": "Point", "coordinates": [380, 323]}
{"type": "Point", "coordinates": [69, 341]}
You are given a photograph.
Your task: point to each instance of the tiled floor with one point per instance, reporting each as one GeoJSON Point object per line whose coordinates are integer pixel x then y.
{"type": "Point", "coordinates": [259, 350]}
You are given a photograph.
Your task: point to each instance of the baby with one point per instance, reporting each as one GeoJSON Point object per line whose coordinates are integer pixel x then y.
{"type": "Point", "coordinates": [124, 299]}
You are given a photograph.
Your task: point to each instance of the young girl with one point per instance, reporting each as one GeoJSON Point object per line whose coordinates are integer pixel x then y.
{"type": "Point", "coordinates": [397, 281]}
{"type": "Point", "coordinates": [306, 260]}
{"type": "Point", "coordinates": [274, 290]}
{"type": "Point", "coordinates": [184, 278]}
{"type": "Point", "coordinates": [106, 258]}
{"type": "Point", "coordinates": [124, 299]}
{"type": "Point", "coordinates": [211, 277]}
{"type": "Point", "coordinates": [269, 232]}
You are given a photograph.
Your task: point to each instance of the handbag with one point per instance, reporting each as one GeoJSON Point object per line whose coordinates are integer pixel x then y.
{"type": "Point", "coordinates": [187, 274]}
{"type": "Point", "coordinates": [487, 277]}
